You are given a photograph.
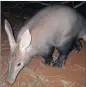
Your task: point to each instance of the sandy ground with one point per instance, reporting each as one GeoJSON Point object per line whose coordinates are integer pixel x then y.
{"type": "Point", "coordinates": [37, 75]}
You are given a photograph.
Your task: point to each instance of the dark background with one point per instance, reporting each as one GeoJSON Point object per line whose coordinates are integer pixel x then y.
{"type": "Point", "coordinates": [23, 10]}
{"type": "Point", "coordinates": [31, 7]}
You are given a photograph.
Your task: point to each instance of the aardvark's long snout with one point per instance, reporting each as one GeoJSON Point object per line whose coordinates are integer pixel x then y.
{"type": "Point", "coordinates": [11, 77]}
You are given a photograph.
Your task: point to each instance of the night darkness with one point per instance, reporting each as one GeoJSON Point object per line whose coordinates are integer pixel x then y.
{"type": "Point", "coordinates": [26, 9]}
{"type": "Point", "coordinates": [37, 5]}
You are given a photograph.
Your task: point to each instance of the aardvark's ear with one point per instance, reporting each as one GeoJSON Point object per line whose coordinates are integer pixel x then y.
{"type": "Point", "coordinates": [25, 40]}
{"type": "Point", "coordinates": [9, 32]}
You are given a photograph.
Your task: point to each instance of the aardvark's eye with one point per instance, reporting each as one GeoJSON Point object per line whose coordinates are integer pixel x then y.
{"type": "Point", "coordinates": [18, 64]}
